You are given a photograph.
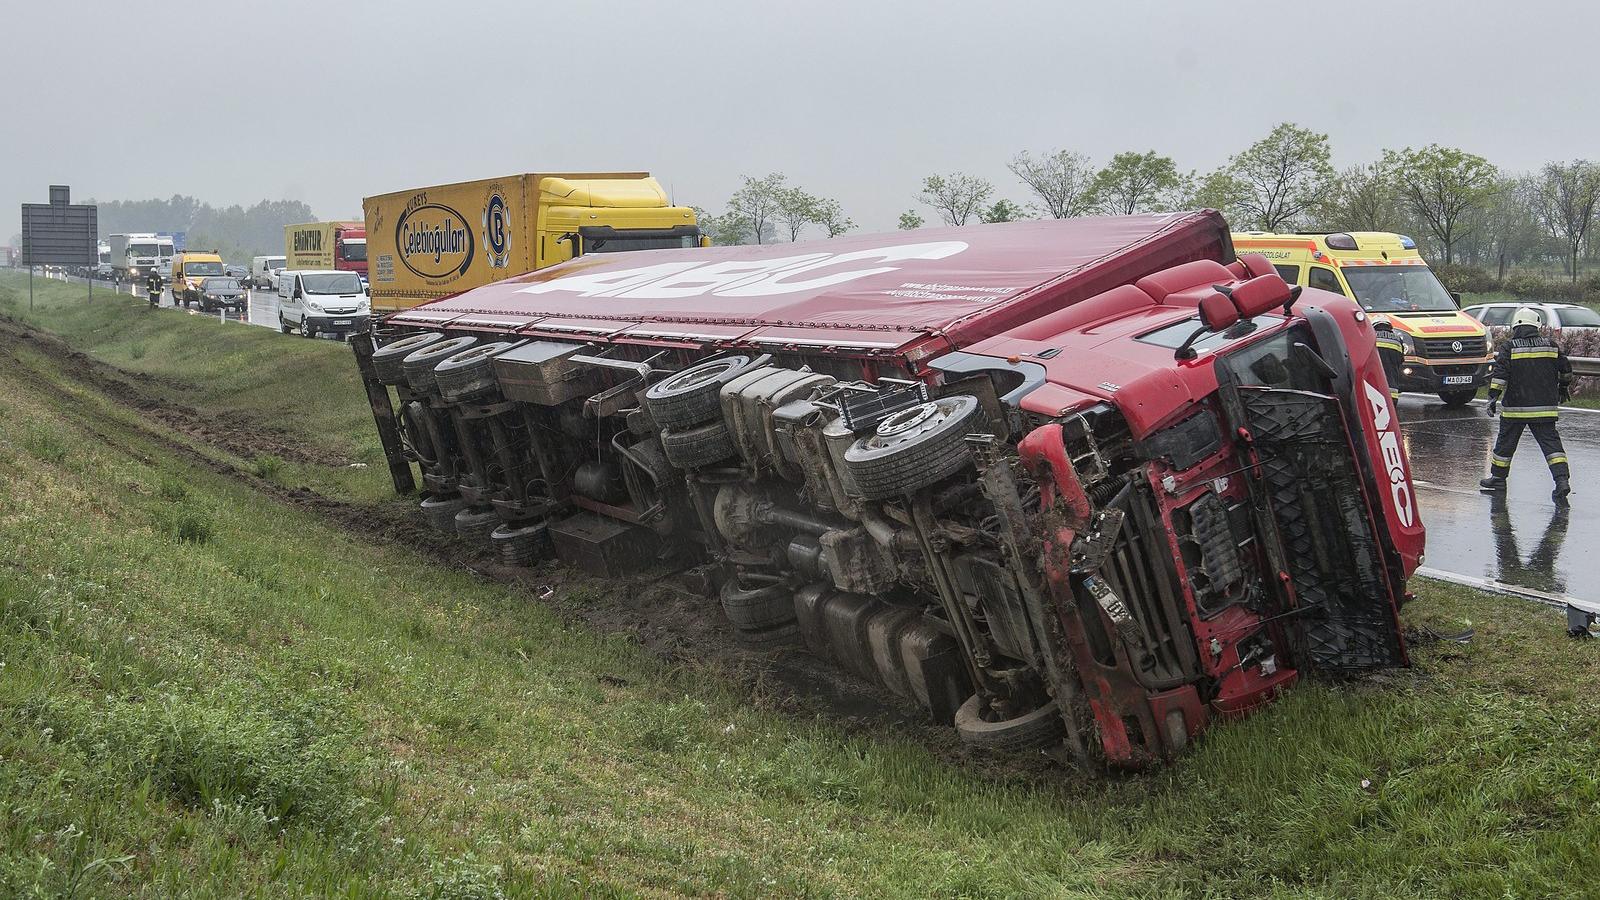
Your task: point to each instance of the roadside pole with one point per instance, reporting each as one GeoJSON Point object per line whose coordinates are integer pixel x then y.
{"type": "Point", "coordinates": [30, 285]}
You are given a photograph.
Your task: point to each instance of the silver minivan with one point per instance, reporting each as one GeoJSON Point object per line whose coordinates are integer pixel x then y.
{"type": "Point", "coordinates": [322, 301]}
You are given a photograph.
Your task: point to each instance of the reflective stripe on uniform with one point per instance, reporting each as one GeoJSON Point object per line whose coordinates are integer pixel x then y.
{"type": "Point", "coordinates": [1554, 458]}
{"type": "Point", "coordinates": [1390, 343]}
{"type": "Point", "coordinates": [1529, 412]}
{"type": "Point", "coordinates": [1496, 459]}
{"type": "Point", "coordinates": [1542, 353]}
{"type": "Point", "coordinates": [1499, 383]}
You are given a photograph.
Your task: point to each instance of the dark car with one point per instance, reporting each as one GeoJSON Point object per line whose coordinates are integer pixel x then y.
{"type": "Point", "coordinates": [220, 292]}
{"type": "Point", "coordinates": [239, 272]}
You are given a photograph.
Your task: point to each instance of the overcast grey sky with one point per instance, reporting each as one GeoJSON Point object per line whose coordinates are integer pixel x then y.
{"type": "Point", "coordinates": [330, 101]}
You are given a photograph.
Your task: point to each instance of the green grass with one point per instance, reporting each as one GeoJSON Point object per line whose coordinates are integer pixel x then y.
{"type": "Point", "coordinates": [207, 693]}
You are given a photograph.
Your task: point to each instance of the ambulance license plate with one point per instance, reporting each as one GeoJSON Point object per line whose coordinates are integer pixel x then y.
{"type": "Point", "coordinates": [1458, 379]}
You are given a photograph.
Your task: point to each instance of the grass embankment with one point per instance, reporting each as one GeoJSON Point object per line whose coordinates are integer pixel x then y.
{"type": "Point", "coordinates": [207, 692]}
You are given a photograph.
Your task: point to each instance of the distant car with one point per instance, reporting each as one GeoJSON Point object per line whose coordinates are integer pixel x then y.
{"type": "Point", "coordinates": [1558, 317]}
{"type": "Point", "coordinates": [239, 272]}
{"type": "Point", "coordinates": [322, 301]}
{"type": "Point", "coordinates": [221, 292]}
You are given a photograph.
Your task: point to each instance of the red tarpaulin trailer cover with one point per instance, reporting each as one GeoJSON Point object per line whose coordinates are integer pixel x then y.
{"type": "Point", "coordinates": [925, 290]}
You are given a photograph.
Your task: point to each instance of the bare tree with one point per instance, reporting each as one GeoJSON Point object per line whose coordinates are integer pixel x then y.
{"type": "Point", "coordinates": [1565, 197]}
{"type": "Point", "coordinates": [1060, 179]}
{"type": "Point", "coordinates": [958, 197]}
{"type": "Point", "coordinates": [758, 201]}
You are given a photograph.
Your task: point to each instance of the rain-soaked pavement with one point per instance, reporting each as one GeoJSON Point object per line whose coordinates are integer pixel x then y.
{"type": "Point", "coordinates": [1521, 538]}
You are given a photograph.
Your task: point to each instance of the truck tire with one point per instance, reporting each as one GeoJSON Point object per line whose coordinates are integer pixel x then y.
{"type": "Point", "coordinates": [698, 446]}
{"type": "Point", "coordinates": [1030, 731]}
{"type": "Point", "coordinates": [386, 360]}
{"type": "Point", "coordinates": [418, 365]}
{"type": "Point", "coordinates": [521, 546]}
{"type": "Point", "coordinates": [913, 448]}
{"type": "Point", "coordinates": [469, 375]}
{"type": "Point", "coordinates": [440, 511]}
{"type": "Point", "coordinates": [778, 634]}
{"type": "Point", "coordinates": [1457, 399]}
{"type": "Point", "coordinates": [691, 397]}
{"type": "Point", "coordinates": [475, 523]}
{"type": "Point", "coordinates": [757, 609]}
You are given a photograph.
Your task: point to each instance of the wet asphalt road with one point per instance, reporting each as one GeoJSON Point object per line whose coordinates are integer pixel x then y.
{"type": "Point", "coordinates": [1520, 538]}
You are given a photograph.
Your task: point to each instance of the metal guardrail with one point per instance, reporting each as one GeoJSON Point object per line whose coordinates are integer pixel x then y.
{"type": "Point", "coordinates": [1586, 366]}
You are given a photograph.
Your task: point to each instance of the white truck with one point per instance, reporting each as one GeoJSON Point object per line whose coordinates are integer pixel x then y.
{"type": "Point", "coordinates": [133, 255]}
{"type": "Point", "coordinates": [102, 268]}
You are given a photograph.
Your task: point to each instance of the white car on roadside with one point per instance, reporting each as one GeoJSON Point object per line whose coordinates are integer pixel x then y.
{"type": "Point", "coordinates": [322, 301]}
{"type": "Point", "coordinates": [1557, 317]}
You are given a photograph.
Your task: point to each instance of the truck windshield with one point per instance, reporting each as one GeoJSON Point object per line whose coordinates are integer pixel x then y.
{"type": "Point", "coordinates": [142, 249]}
{"type": "Point", "coordinates": [166, 250]}
{"type": "Point", "coordinates": [332, 283]}
{"type": "Point", "coordinates": [272, 262]}
{"type": "Point", "coordinates": [1398, 289]}
{"type": "Point", "coordinates": [355, 249]}
{"type": "Point", "coordinates": [196, 269]}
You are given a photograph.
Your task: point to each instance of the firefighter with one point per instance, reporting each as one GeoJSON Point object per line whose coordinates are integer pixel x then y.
{"type": "Point", "coordinates": [152, 284]}
{"type": "Point", "coordinates": [1534, 377]}
{"type": "Point", "coordinates": [1393, 354]}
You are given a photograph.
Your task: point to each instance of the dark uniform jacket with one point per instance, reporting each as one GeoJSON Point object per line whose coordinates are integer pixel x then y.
{"type": "Point", "coordinates": [1533, 375]}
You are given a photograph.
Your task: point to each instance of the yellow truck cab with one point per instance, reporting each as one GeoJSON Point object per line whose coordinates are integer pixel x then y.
{"type": "Point", "coordinates": [189, 269]}
{"type": "Point", "coordinates": [1447, 351]}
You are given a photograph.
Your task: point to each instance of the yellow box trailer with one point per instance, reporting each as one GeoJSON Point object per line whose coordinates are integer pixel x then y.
{"type": "Point", "coordinates": [430, 242]}
{"type": "Point", "coordinates": [326, 245]}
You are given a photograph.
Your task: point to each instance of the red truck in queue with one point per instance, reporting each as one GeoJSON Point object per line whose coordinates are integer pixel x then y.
{"type": "Point", "coordinates": [323, 246]}
{"type": "Point", "coordinates": [1083, 486]}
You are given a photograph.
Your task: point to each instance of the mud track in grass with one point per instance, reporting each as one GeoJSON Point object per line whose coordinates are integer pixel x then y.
{"type": "Point", "coordinates": [654, 610]}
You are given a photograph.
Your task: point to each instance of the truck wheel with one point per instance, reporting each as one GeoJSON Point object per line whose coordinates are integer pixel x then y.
{"type": "Point", "coordinates": [440, 511]}
{"type": "Point", "coordinates": [418, 365]}
{"type": "Point", "coordinates": [386, 359]}
{"type": "Point", "coordinates": [1455, 399]}
{"type": "Point", "coordinates": [913, 448]}
{"type": "Point", "coordinates": [699, 446]}
{"type": "Point", "coordinates": [475, 524]}
{"type": "Point", "coordinates": [691, 397]}
{"type": "Point", "coordinates": [1030, 731]}
{"type": "Point", "coordinates": [469, 374]}
{"type": "Point", "coordinates": [521, 546]}
{"type": "Point", "coordinates": [758, 609]}
{"type": "Point", "coordinates": [786, 633]}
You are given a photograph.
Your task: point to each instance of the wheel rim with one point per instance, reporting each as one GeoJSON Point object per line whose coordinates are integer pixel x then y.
{"type": "Point", "coordinates": [909, 425]}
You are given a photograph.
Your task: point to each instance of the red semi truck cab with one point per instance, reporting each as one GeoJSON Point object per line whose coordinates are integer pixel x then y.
{"type": "Point", "coordinates": [1079, 485]}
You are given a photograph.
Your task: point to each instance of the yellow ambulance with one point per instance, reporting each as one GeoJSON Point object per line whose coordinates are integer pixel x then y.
{"type": "Point", "coordinates": [1447, 351]}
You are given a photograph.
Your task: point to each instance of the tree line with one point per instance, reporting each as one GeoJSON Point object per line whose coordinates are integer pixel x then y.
{"type": "Point", "coordinates": [237, 232]}
{"type": "Point", "coordinates": [1461, 208]}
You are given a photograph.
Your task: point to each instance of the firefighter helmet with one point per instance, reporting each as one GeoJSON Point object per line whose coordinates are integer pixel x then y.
{"type": "Point", "coordinates": [1527, 315]}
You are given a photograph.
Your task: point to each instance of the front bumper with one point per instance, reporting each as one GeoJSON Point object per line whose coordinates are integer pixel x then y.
{"type": "Point", "coordinates": [1428, 376]}
{"type": "Point", "coordinates": [351, 324]}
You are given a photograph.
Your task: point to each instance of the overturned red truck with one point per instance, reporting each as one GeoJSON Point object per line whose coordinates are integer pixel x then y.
{"type": "Point", "coordinates": [1079, 485]}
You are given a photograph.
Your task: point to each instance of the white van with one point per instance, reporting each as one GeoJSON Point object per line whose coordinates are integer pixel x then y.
{"type": "Point", "coordinates": [322, 301]}
{"type": "Point", "coordinates": [264, 271]}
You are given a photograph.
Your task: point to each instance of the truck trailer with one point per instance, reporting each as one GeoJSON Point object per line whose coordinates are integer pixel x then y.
{"type": "Point", "coordinates": [340, 246]}
{"type": "Point", "coordinates": [431, 242]}
{"type": "Point", "coordinates": [1081, 486]}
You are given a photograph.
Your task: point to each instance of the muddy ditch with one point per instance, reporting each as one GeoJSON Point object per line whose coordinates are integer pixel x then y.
{"type": "Point", "coordinates": [655, 610]}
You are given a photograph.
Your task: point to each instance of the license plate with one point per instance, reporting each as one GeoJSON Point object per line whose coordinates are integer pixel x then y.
{"type": "Point", "coordinates": [1458, 379]}
{"type": "Point", "coordinates": [347, 322]}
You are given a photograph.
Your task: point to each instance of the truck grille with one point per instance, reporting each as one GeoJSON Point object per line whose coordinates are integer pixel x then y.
{"type": "Point", "coordinates": [1140, 572]}
{"type": "Point", "coordinates": [1445, 348]}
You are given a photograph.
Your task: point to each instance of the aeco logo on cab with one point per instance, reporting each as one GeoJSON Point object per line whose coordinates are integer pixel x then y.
{"type": "Point", "coordinates": [434, 241]}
